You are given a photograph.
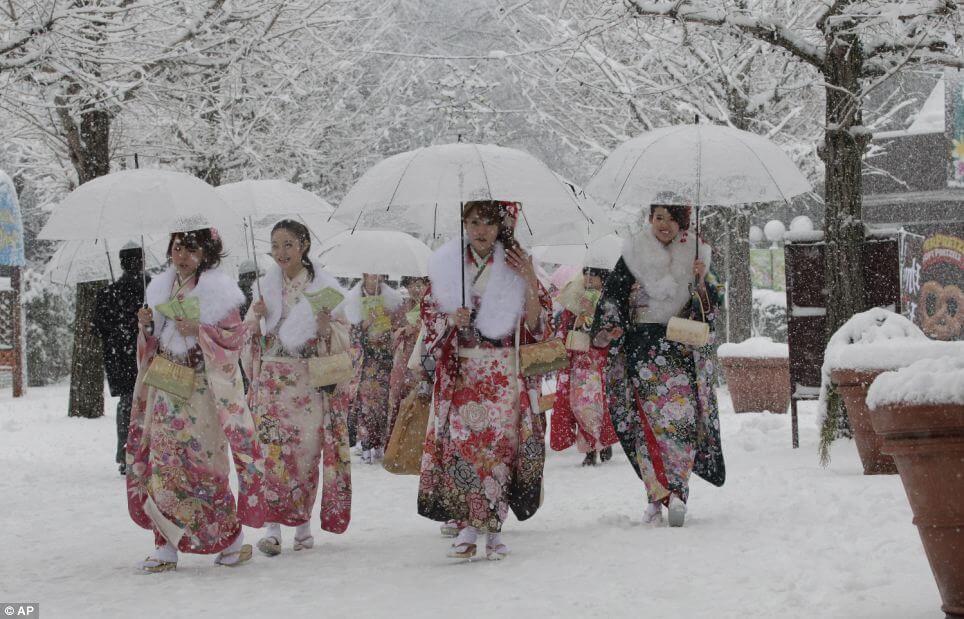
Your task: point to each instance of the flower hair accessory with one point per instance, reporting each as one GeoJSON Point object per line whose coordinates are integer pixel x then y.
{"type": "Point", "coordinates": [214, 234]}
{"type": "Point", "coordinates": [511, 209]}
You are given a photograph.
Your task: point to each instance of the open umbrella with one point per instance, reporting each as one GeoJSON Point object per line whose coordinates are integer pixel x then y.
{"type": "Point", "coordinates": [263, 202]}
{"type": "Point", "coordinates": [701, 164]}
{"type": "Point", "coordinates": [599, 254]}
{"type": "Point", "coordinates": [141, 203]}
{"type": "Point", "coordinates": [420, 191]}
{"type": "Point", "coordinates": [89, 261]}
{"type": "Point", "coordinates": [386, 252]}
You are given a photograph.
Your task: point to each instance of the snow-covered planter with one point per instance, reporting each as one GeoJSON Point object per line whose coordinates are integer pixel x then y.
{"type": "Point", "coordinates": [919, 410]}
{"type": "Point", "coordinates": [867, 344]}
{"type": "Point", "coordinates": [758, 375]}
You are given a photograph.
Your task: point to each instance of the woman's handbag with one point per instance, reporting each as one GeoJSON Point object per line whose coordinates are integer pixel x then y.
{"type": "Point", "coordinates": [543, 357]}
{"type": "Point", "coordinates": [403, 454]}
{"type": "Point", "coordinates": [330, 370]}
{"type": "Point", "coordinates": [691, 332]}
{"type": "Point", "coordinates": [170, 377]}
{"type": "Point", "coordinates": [578, 341]}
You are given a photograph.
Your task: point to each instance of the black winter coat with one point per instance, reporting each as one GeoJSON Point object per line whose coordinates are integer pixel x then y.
{"type": "Point", "coordinates": [116, 322]}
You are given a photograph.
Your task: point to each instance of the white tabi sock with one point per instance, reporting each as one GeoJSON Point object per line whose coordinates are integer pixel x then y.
{"type": "Point", "coordinates": [166, 553]}
{"type": "Point", "coordinates": [303, 530]}
{"type": "Point", "coordinates": [272, 529]}
{"type": "Point", "coordinates": [467, 535]}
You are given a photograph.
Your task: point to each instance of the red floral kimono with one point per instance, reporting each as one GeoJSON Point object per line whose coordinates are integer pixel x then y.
{"type": "Point", "coordinates": [178, 464]}
{"type": "Point", "coordinates": [485, 445]}
{"type": "Point", "coordinates": [402, 380]}
{"type": "Point", "coordinates": [580, 414]}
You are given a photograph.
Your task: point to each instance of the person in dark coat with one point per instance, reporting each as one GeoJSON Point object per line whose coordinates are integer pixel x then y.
{"type": "Point", "coordinates": [116, 323]}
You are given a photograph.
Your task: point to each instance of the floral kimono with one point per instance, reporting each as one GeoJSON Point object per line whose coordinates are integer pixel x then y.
{"type": "Point", "coordinates": [660, 392]}
{"type": "Point", "coordinates": [485, 445]}
{"type": "Point", "coordinates": [580, 413]}
{"type": "Point", "coordinates": [371, 402]}
{"type": "Point", "coordinates": [402, 379]}
{"type": "Point", "coordinates": [178, 464]}
{"type": "Point", "coordinates": [299, 425]}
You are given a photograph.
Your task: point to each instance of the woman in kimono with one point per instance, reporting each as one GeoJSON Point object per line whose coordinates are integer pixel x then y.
{"type": "Point", "coordinates": [660, 393]}
{"type": "Point", "coordinates": [178, 447]}
{"type": "Point", "coordinates": [580, 414]}
{"type": "Point", "coordinates": [297, 423]}
{"type": "Point", "coordinates": [372, 308]}
{"type": "Point", "coordinates": [484, 449]}
{"type": "Point", "coordinates": [402, 380]}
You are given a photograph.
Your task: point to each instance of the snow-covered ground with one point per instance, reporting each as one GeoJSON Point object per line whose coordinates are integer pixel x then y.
{"type": "Point", "coordinates": [782, 538]}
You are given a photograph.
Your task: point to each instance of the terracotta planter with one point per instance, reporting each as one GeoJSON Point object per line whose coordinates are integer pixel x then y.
{"type": "Point", "coordinates": [758, 383]}
{"type": "Point", "coordinates": [852, 385]}
{"type": "Point", "coordinates": [927, 442]}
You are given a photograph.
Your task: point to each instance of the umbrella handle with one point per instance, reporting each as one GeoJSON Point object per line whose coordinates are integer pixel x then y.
{"type": "Point", "coordinates": [257, 280]}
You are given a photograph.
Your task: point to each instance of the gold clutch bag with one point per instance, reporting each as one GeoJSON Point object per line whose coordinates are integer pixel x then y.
{"type": "Point", "coordinates": [690, 332]}
{"type": "Point", "coordinates": [543, 357]}
{"type": "Point", "coordinates": [330, 370]}
{"type": "Point", "coordinates": [170, 377]}
{"type": "Point", "coordinates": [578, 341]}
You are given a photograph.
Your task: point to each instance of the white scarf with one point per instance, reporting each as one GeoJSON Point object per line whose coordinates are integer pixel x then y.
{"type": "Point", "coordinates": [300, 325]}
{"type": "Point", "coordinates": [217, 293]}
{"type": "Point", "coordinates": [665, 272]}
{"type": "Point", "coordinates": [351, 307]}
{"type": "Point", "coordinates": [502, 302]}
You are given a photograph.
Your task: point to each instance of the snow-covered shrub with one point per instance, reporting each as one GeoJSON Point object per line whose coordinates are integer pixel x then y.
{"type": "Point", "coordinates": [49, 312]}
{"type": "Point", "coordinates": [770, 314]}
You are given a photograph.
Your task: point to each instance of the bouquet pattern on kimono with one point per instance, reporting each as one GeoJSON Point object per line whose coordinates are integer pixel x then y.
{"type": "Point", "coordinates": [660, 392]}
{"type": "Point", "coordinates": [485, 445]}
{"type": "Point", "coordinates": [299, 426]}
{"type": "Point", "coordinates": [580, 414]}
{"type": "Point", "coordinates": [402, 380]}
{"type": "Point", "coordinates": [178, 459]}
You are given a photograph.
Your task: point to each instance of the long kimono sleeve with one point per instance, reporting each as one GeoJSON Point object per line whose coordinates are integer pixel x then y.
{"type": "Point", "coordinates": [221, 345]}
{"type": "Point", "coordinates": [563, 428]}
{"type": "Point", "coordinates": [336, 488]}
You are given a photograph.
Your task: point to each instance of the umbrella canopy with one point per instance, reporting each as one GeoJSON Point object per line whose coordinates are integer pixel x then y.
{"type": "Point", "coordinates": [701, 164]}
{"type": "Point", "coordinates": [141, 202]}
{"type": "Point", "coordinates": [79, 261]}
{"type": "Point", "coordinates": [600, 254]}
{"type": "Point", "coordinates": [270, 199]}
{"type": "Point", "coordinates": [419, 192]}
{"type": "Point", "coordinates": [386, 252]}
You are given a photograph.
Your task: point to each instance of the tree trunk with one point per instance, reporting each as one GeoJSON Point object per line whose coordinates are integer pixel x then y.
{"type": "Point", "coordinates": [87, 361]}
{"type": "Point", "coordinates": [739, 285]}
{"type": "Point", "coordinates": [843, 151]}
{"type": "Point", "coordinates": [90, 154]}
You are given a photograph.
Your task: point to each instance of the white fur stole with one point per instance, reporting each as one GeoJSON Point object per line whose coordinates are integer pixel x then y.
{"type": "Point", "coordinates": [299, 326]}
{"type": "Point", "coordinates": [502, 302]}
{"type": "Point", "coordinates": [217, 293]}
{"type": "Point", "coordinates": [665, 272]}
{"type": "Point", "coordinates": [351, 307]}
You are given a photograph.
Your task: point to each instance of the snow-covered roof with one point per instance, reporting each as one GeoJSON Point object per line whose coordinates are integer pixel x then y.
{"type": "Point", "coordinates": [930, 118]}
{"type": "Point", "coordinates": [928, 381]}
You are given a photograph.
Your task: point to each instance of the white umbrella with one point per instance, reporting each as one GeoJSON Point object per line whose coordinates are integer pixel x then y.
{"type": "Point", "coordinates": [385, 252]}
{"type": "Point", "coordinates": [89, 261]}
{"type": "Point", "coordinates": [141, 202]}
{"type": "Point", "coordinates": [600, 254]}
{"type": "Point", "coordinates": [420, 191]}
{"type": "Point", "coordinates": [702, 164]}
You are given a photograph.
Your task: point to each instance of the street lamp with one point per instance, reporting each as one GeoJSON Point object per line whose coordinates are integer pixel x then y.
{"type": "Point", "coordinates": [774, 231]}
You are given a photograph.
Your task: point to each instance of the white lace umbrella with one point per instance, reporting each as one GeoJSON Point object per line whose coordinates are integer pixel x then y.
{"type": "Point", "coordinates": [89, 261]}
{"type": "Point", "coordinates": [420, 191]}
{"type": "Point", "coordinates": [376, 251]}
{"type": "Point", "coordinates": [702, 165]}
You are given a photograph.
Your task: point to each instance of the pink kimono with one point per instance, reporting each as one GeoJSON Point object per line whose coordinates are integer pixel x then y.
{"type": "Point", "coordinates": [298, 425]}
{"type": "Point", "coordinates": [178, 464]}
